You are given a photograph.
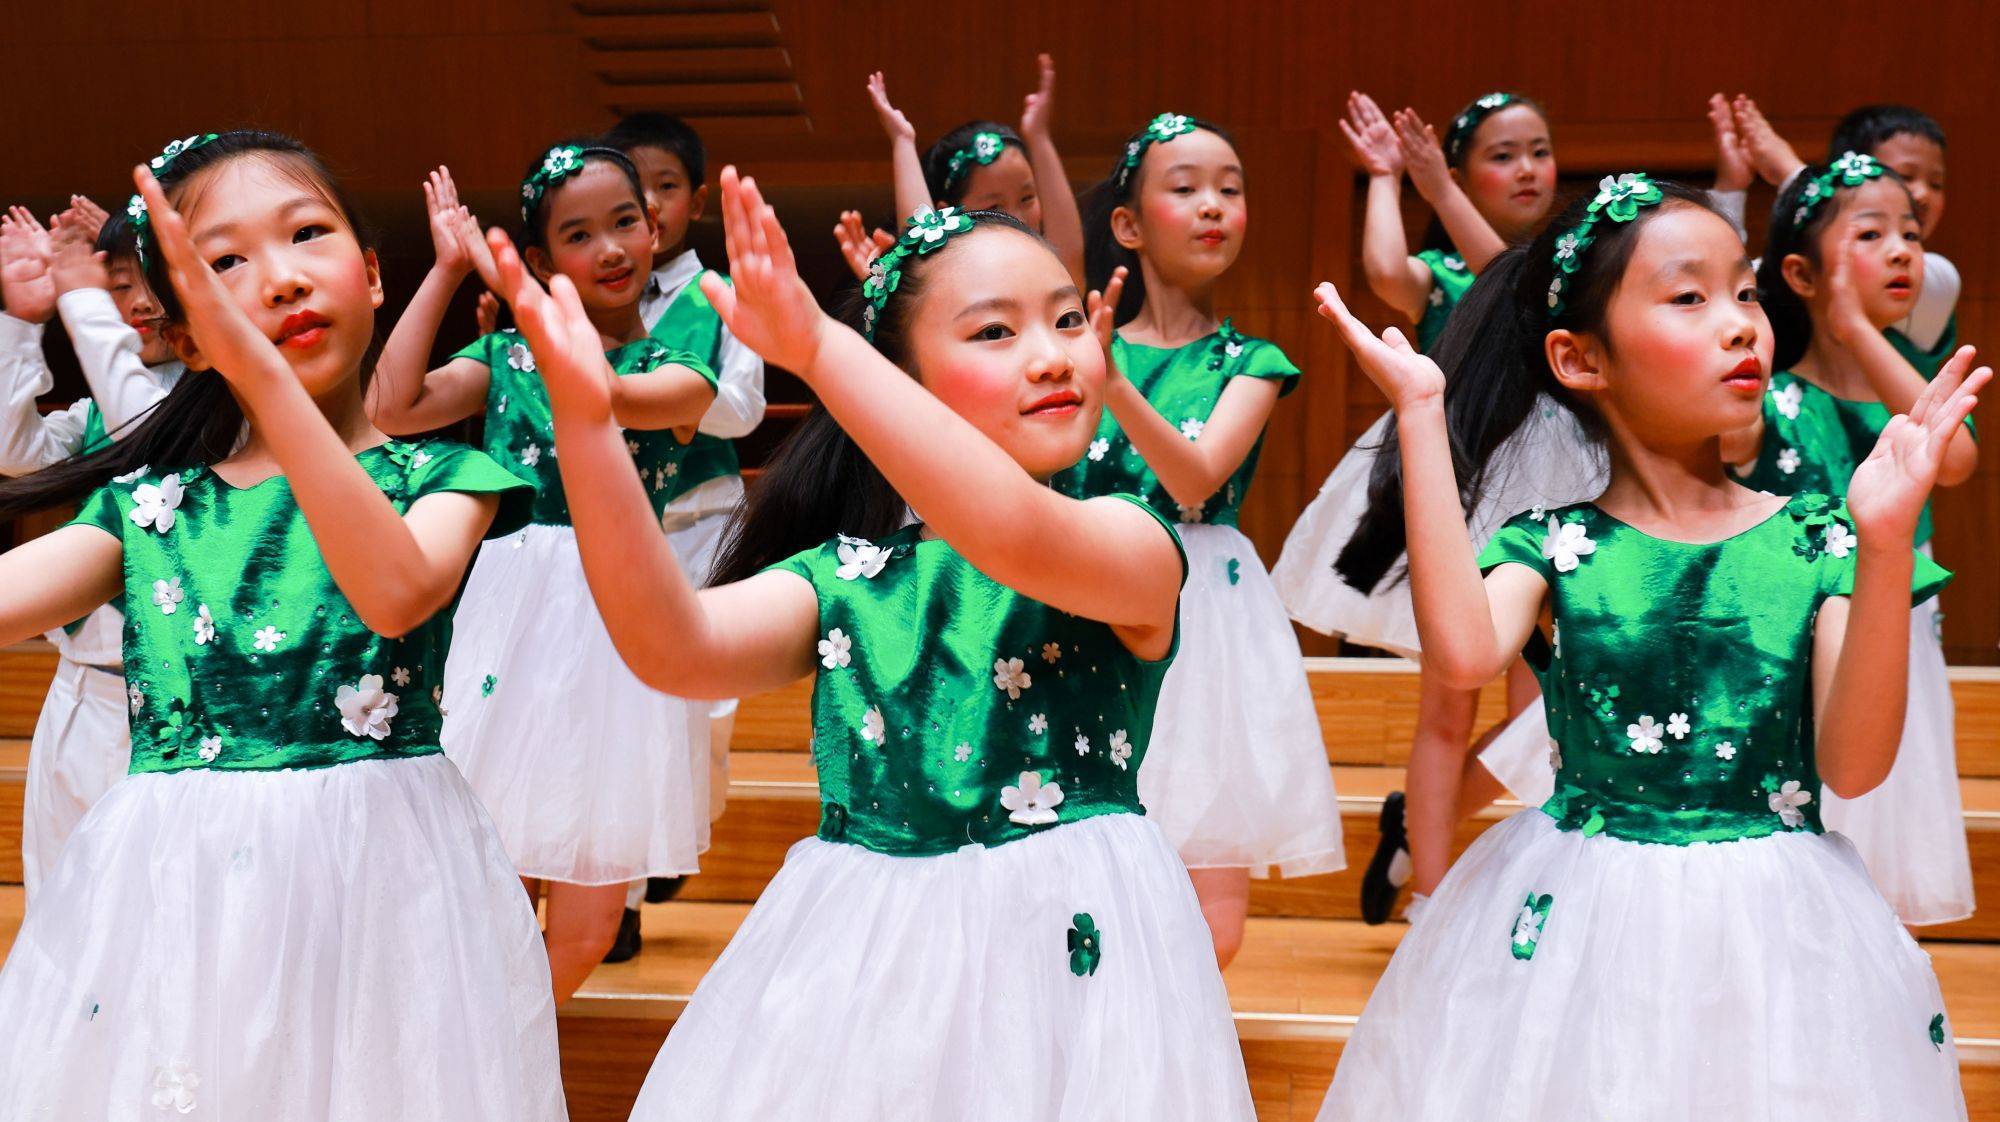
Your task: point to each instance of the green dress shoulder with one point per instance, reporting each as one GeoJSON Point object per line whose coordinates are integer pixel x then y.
{"type": "Point", "coordinates": [1449, 281]}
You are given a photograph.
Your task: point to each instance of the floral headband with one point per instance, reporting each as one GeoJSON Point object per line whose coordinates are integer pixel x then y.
{"type": "Point", "coordinates": [1467, 121]}
{"type": "Point", "coordinates": [929, 230]}
{"type": "Point", "coordinates": [1852, 169]}
{"type": "Point", "coordinates": [986, 148]}
{"type": "Point", "coordinates": [561, 162]}
{"type": "Point", "coordinates": [1159, 130]}
{"type": "Point", "coordinates": [135, 207]}
{"type": "Point", "coordinates": [1619, 199]}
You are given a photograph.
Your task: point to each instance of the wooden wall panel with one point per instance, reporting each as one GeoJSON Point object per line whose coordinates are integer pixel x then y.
{"type": "Point", "coordinates": [388, 90]}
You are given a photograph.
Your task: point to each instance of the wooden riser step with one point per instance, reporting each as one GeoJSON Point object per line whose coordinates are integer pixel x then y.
{"type": "Point", "coordinates": [1296, 989]}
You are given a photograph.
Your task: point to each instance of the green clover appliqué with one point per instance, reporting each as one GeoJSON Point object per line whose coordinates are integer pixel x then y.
{"type": "Point", "coordinates": [1528, 925]}
{"type": "Point", "coordinates": [1086, 946]}
{"type": "Point", "coordinates": [1937, 1032]}
{"type": "Point", "coordinates": [486, 687]}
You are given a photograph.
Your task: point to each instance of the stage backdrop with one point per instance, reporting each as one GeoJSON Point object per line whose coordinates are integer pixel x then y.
{"type": "Point", "coordinates": [388, 90]}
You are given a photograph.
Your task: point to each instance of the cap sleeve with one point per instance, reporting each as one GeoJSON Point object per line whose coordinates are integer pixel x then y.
{"type": "Point", "coordinates": [485, 349]}
{"type": "Point", "coordinates": [441, 465]}
{"type": "Point", "coordinates": [1827, 528]}
{"type": "Point", "coordinates": [1173, 535]}
{"type": "Point", "coordinates": [658, 354]}
{"type": "Point", "coordinates": [1262, 358]}
{"type": "Point", "coordinates": [1519, 542]}
{"type": "Point", "coordinates": [102, 510]}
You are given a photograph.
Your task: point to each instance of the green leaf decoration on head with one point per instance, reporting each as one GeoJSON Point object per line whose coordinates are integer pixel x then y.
{"type": "Point", "coordinates": [1086, 946]}
{"type": "Point", "coordinates": [986, 148]}
{"type": "Point", "coordinates": [175, 149]}
{"type": "Point", "coordinates": [1620, 198]}
{"type": "Point", "coordinates": [1852, 169]}
{"type": "Point", "coordinates": [561, 162]}
{"type": "Point", "coordinates": [1468, 119]}
{"type": "Point", "coordinates": [927, 231]}
{"type": "Point", "coordinates": [1159, 130]}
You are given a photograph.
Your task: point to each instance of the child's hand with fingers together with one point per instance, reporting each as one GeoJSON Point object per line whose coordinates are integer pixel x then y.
{"type": "Point", "coordinates": [1733, 170]}
{"type": "Point", "coordinates": [1409, 378]}
{"type": "Point", "coordinates": [1039, 109]}
{"type": "Point", "coordinates": [228, 341]}
{"type": "Point", "coordinates": [26, 286]}
{"type": "Point", "coordinates": [1374, 139]}
{"type": "Point", "coordinates": [88, 215]}
{"type": "Point", "coordinates": [1103, 308]}
{"type": "Point", "coordinates": [1423, 156]}
{"type": "Point", "coordinates": [1772, 156]}
{"type": "Point", "coordinates": [1887, 492]}
{"type": "Point", "coordinates": [858, 247]}
{"type": "Point", "coordinates": [1847, 319]}
{"type": "Point", "coordinates": [569, 354]}
{"type": "Point", "coordinates": [74, 261]}
{"type": "Point", "coordinates": [768, 309]}
{"type": "Point", "coordinates": [486, 312]}
{"type": "Point", "coordinates": [894, 123]}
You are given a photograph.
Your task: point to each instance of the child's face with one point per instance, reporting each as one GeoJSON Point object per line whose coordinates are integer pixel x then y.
{"type": "Point", "coordinates": [1006, 185]}
{"type": "Point", "coordinates": [1510, 170]}
{"type": "Point", "coordinates": [1920, 161]}
{"type": "Point", "coordinates": [1001, 337]}
{"type": "Point", "coordinates": [137, 307]}
{"type": "Point", "coordinates": [599, 235]}
{"type": "Point", "coordinates": [1687, 349]}
{"type": "Point", "coordinates": [1888, 255]}
{"type": "Point", "coordinates": [286, 253]}
{"type": "Point", "coordinates": [1188, 216]}
{"type": "Point", "coordinates": [677, 203]}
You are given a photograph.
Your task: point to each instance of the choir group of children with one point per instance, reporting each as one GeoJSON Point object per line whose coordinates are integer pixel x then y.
{"type": "Point", "coordinates": [332, 691]}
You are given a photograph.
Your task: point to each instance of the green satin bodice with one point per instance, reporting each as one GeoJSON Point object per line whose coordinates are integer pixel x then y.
{"type": "Point", "coordinates": [950, 710]}
{"type": "Point", "coordinates": [691, 324]}
{"type": "Point", "coordinates": [1449, 281]}
{"type": "Point", "coordinates": [1679, 679]}
{"type": "Point", "coordinates": [1183, 384]}
{"type": "Point", "coordinates": [240, 651]}
{"type": "Point", "coordinates": [520, 426]}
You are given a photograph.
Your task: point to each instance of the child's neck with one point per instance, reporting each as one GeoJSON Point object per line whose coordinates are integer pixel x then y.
{"type": "Point", "coordinates": [1680, 489]}
{"type": "Point", "coordinates": [344, 410]}
{"type": "Point", "coordinates": [1172, 316]}
{"type": "Point", "coordinates": [1833, 368]}
{"type": "Point", "coordinates": [617, 326]}
{"type": "Point", "coordinates": [666, 256]}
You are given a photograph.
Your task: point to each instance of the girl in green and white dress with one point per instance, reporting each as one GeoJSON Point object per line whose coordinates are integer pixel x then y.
{"type": "Point", "coordinates": [1845, 263]}
{"type": "Point", "coordinates": [293, 908]}
{"type": "Point", "coordinates": [1490, 183]}
{"type": "Point", "coordinates": [593, 779]}
{"type": "Point", "coordinates": [1239, 777]}
{"type": "Point", "coordinates": [1671, 935]}
{"type": "Point", "coordinates": [987, 925]}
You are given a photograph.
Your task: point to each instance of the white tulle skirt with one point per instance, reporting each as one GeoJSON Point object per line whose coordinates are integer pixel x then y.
{"type": "Point", "coordinates": [1236, 774]}
{"type": "Point", "coordinates": [1911, 830]}
{"type": "Point", "coordinates": [82, 746]}
{"type": "Point", "coordinates": [864, 987]}
{"type": "Point", "coordinates": [591, 776]}
{"type": "Point", "coordinates": [1547, 462]}
{"type": "Point", "coordinates": [344, 944]}
{"type": "Point", "coordinates": [1758, 979]}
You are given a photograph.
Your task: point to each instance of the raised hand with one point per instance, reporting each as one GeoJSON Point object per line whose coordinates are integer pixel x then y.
{"type": "Point", "coordinates": [225, 336]}
{"type": "Point", "coordinates": [1039, 109]}
{"type": "Point", "coordinates": [1103, 307]}
{"type": "Point", "coordinates": [1733, 170]}
{"type": "Point", "coordinates": [487, 313]}
{"type": "Point", "coordinates": [1405, 376]}
{"type": "Point", "coordinates": [769, 309]}
{"type": "Point", "coordinates": [1770, 154]}
{"type": "Point", "coordinates": [1375, 143]}
{"type": "Point", "coordinates": [454, 232]}
{"type": "Point", "coordinates": [858, 247]}
{"type": "Point", "coordinates": [569, 354]}
{"type": "Point", "coordinates": [1846, 317]}
{"type": "Point", "coordinates": [1886, 493]}
{"type": "Point", "coordinates": [87, 215]}
{"type": "Point", "coordinates": [26, 285]}
{"type": "Point", "coordinates": [1423, 156]}
{"type": "Point", "coordinates": [893, 122]}
{"type": "Point", "coordinates": [74, 261]}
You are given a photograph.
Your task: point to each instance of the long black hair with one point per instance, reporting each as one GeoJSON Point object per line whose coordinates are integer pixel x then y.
{"type": "Point", "coordinates": [199, 421]}
{"type": "Point", "coordinates": [937, 160]}
{"type": "Point", "coordinates": [818, 482]}
{"type": "Point", "coordinates": [1459, 153]}
{"type": "Point", "coordinates": [1791, 321]}
{"type": "Point", "coordinates": [1102, 255]}
{"type": "Point", "coordinates": [1495, 368]}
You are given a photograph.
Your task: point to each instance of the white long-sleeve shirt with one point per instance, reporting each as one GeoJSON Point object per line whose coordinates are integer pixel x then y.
{"type": "Point", "coordinates": [739, 392]}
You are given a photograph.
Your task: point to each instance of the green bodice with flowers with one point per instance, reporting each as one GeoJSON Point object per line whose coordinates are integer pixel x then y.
{"type": "Point", "coordinates": [520, 426]}
{"type": "Point", "coordinates": [1183, 384]}
{"type": "Point", "coordinates": [950, 710]}
{"type": "Point", "coordinates": [1449, 281]}
{"type": "Point", "coordinates": [1679, 679]}
{"type": "Point", "coordinates": [691, 324]}
{"type": "Point", "coordinates": [241, 653]}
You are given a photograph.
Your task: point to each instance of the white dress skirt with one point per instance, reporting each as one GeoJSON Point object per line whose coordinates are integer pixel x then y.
{"type": "Point", "coordinates": [1237, 773]}
{"type": "Point", "coordinates": [591, 776]}
{"type": "Point", "coordinates": [82, 746]}
{"type": "Point", "coordinates": [696, 540]}
{"type": "Point", "coordinates": [339, 944]}
{"type": "Point", "coordinates": [1755, 979]}
{"type": "Point", "coordinates": [1911, 830]}
{"type": "Point", "coordinates": [864, 986]}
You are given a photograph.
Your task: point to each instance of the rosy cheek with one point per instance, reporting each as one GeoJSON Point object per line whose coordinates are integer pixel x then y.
{"type": "Point", "coordinates": [1165, 212]}
{"type": "Point", "coordinates": [1490, 183]}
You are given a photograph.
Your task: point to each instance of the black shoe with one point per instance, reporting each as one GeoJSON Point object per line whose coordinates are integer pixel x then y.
{"type": "Point", "coordinates": [1378, 891]}
{"type": "Point", "coordinates": [659, 890]}
{"type": "Point", "coordinates": [625, 948]}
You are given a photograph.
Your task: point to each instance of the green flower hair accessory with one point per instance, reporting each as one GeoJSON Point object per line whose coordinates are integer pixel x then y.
{"type": "Point", "coordinates": [137, 217]}
{"type": "Point", "coordinates": [927, 231]}
{"type": "Point", "coordinates": [986, 148]}
{"type": "Point", "coordinates": [1852, 169]}
{"type": "Point", "coordinates": [1159, 130]}
{"type": "Point", "coordinates": [562, 161]}
{"type": "Point", "coordinates": [175, 149]}
{"type": "Point", "coordinates": [1620, 198]}
{"type": "Point", "coordinates": [135, 207]}
{"type": "Point", "coordinates": [1468, 119]}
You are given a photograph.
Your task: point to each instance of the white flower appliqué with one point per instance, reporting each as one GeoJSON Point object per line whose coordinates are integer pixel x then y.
{"type": "Point", "coordinates": [268, 638]}
{"type": "Point", "coordinates": [531, 455]}
{"type": "Point", "coordinates": [211, 747]}
{"type": "Point", "coordinates": [1839, 540]}
{"type": "Point", "coordinates": [174, 1086]}
{"type": "Point", "coordinates": [204, 626]}
{"type": "Point", "coordinates": [1677, 725]}
{"type": "Point", "coordinates": [1191, 428]}
{"type": "Point", "coordinates": [1121, 749]}
{"type": "Point", "coordinates": [400, 676]}
{"type": "Point", "coordinates": [873, 729]}
{"type": "Point", "coordinates": [1725, 751]}
{"type": "Point", "coordinates": [1527, 927]}
{"type": "Point", "coordinates": [1555, 755]}
{"type": "Point", "coordinates": [1787, 400]}
{"type": "Point", "coordinates": [859, 558]}
{"type": "Point", "coordinates": [1051, 652]}
{"type": "Point", "coordinates": [520, 357]}
{"type": "Point", "coordinates": [1009, 675]}
{"type": "Point", "coordinates": [1038, 724]}
{"type": "Point", "coordinates": [153, 505]}
{"type": "Point", "coordinates": [1034, 802]}
{"type": "Point", "coordinates": [167, 595]}
{"type": "Point", "coordinates": [834, 650]}
{"type": "Point", "coordinates": [1566, 543]}
{"type": "Point", "coordinates": [133, 476]}
{"type": "Point", "coordinates": [1645, 736]}
{"type": "Point", "coordinates": [1082, 745]}
{"type": "Point", "coordinates": [962, 753]}
{"type": "Point", "coordinates": [1788, 460]}
{"type": "Point", "coordinates": [1098, 448]}
{"type": "Point", "coordinates": [365, 707]}
{"type": "Point", "coordinates": [135, 697]}
{"type": "Point", "coordinates": [1786, 801]}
